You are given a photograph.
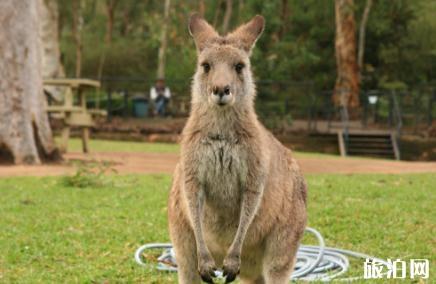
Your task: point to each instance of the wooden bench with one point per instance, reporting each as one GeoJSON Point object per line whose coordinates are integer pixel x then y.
{"type": "Point", "coordinates": [74, 115]}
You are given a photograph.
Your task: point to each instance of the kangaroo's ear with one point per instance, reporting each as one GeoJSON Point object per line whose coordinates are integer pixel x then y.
{"type": "Point", "coordinates": [201, 31]}
{"type": "Point", "coordinates": [248, 33]}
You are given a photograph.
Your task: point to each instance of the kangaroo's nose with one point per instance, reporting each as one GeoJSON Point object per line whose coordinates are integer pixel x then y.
{"type": "Point", "coordinates": [221, 90]}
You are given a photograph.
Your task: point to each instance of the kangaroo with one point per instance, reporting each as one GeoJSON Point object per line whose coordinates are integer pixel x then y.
{"type": "Point", "coordinates": [238, 198]}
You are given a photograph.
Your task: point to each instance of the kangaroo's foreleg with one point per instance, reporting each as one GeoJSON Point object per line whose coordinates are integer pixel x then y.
{"type": "Point", "coordinates": [251, 198]}
{"type": "Point", "coordinates": [183, 239]}
{"type": "Point", "coordinates": [195, 197]}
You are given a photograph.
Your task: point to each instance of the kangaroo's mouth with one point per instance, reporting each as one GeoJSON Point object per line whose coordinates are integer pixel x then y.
{"type": "Point", "coordinates": [221, 100]}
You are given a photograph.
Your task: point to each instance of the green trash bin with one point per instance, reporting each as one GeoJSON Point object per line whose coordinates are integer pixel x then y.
{"type": "Point", "coordinates": [140, 107]}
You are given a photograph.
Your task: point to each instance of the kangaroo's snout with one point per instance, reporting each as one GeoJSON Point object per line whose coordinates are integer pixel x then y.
{"type": "Point", "coordinates": [221, 90]}
{"type": "Point", "coordinates": [221, 83]}
{"type": "Point", "coordinates": [221, 94]}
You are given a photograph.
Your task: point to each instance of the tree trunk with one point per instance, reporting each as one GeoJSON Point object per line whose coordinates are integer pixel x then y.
{"type": "Point", "coordinates": [126, 23]}
{"type": "Point", "coordinates": [217, 12]}
{"type": "Point", "coordinates": [201, 8]}
{"type": "Point", "coordinates": [77, 34]}
{"type": "Point", "coordinates": [240, 9]}
{"type": "Point", "coordinates": [347, 81]}
{"type": "Point", "coordinates": [284, 19]}
{"type": "Point", "coordinates": [51, 59]}
{"type": "Point", "coordinates": [227, 16]}
{"type": "Point", "coordinates": [24, 128]}
{"type": "Point", "coordinates": [163, 41]}
{"type": "Point", "coordinates": [110, 13]}
{"type": "Point", "coordinates": [362, 33]}
{"type": "Point", "coordinates": [125, 26]}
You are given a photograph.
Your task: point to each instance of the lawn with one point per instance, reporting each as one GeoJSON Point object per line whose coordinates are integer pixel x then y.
{"type": "Point", "coordinates": [52, 232]}
{"type": "Point", "coordinates": [98, 145]}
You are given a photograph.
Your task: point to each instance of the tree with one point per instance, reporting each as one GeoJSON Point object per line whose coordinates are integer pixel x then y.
{"type": "Point", "coordinates": [241, 6]}
{"type": "Point", "coordinates": [110, 14]}
{"type": "Point", "coordinates": [163, 41]}
{"type": "Point", "coordinates": [362, 32]}
{"type": "Point", "coordinates": [347, 80]}
{"type": "Point", "coordinates": [24, 128]}
{"type": "Point", "coordinates": [132, 13]}
{"type": "Point", "coordinates": [201, 8]}
{"type": "Point", "coordinates": [227, 16]}
{"type": "Point", "coordinates": [77, 34]}
{"type": "Point", "coordinates": [284, 15]}
{"type": "Point", "coordinates": [51, 60]}
{"type": "Point", "coordinates": [297, 45]}
{"type": "Point", "coordinates": [219, 3]}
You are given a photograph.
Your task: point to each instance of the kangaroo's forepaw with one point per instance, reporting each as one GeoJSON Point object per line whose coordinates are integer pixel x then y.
{"type": "Point", "coordinates": [231, 268]}
{"type": "Point", "coordinates": [206, 268]}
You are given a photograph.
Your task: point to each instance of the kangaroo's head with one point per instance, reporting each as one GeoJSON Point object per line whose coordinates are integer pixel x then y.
{"type": "Point", "coordinates": [223, 78]}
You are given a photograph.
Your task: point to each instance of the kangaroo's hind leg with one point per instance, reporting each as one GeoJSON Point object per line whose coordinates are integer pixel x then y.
{"type": "Point", "coordinates": [280, 252]}
{"type": "Point", "coordinates": [258, 280]}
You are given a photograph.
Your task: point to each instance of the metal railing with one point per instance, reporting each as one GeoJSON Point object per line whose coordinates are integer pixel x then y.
{"type": "Point", "coordinates": [392, 109]}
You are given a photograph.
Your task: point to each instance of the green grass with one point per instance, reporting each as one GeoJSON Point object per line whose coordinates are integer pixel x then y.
{"type": "Point", "coordinates": [53, 233]}
{"type": "Point", "coordinates": [97, 145]}
{"type": "Point", "coordinates": [75, 145]}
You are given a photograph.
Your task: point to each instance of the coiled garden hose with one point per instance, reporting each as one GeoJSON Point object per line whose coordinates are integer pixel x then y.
{"type": "Point", "coordinates": [314, 263]}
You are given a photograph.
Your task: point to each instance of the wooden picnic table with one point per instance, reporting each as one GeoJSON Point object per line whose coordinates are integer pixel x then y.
{"type": "Point", "coordinates": [74, 115]}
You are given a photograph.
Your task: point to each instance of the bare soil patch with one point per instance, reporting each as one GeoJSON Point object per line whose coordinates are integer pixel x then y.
{"type": "Point", "coordinates": [146, 163]}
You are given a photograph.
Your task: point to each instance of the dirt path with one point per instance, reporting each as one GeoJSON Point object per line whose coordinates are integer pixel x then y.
{"type": "Point", "coordinates": [142, 163]}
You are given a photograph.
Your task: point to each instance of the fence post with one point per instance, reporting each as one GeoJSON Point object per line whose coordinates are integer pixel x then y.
{"type": "Point", "coordinates": [430, 106]}
{"type": "Point", "coordinates": [125, 103]}
{"type": "Point", "coordinates": [397, 114]}
{"type": "Point", "coordinates": [109, 105]}
{"type": "Point", "coordinates": [309, 112]}
{"type": "Point", "coordinates": [391, 105]}
{"type": "Point", "coordinates": [365, 109]}
{"type": "Point", "coordinates": [416, 108]}
{"type": "Point", "coordinates": [344, 116]}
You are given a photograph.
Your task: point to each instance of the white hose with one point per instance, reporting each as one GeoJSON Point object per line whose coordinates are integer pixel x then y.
{"type": "Point", "coordinates": [314, 263]}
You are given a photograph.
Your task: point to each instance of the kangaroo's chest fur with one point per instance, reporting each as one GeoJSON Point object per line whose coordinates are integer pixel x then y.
{"type": "Point", "coordinates": [222, 169]}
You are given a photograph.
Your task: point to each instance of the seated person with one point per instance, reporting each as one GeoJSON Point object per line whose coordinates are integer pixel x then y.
{"type": "Point", "coordinates": [160, 95]}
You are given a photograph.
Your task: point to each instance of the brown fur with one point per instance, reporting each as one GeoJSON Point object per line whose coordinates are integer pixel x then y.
{"type": "Point", "coordinates": [238, 199]}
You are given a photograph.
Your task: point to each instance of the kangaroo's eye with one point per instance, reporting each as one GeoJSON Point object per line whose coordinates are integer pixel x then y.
{"type": "Point", "coordinates": [239, 67]}
{"type": "Point", "coordinates": [206, 67]}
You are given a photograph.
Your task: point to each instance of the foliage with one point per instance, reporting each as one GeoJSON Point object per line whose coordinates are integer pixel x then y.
{"type": "Point", "coordinates": [277, 122]}
{"type": "Point", "coordinates": [90, 174]}
{"type": "Point", "coordinates": [55, 233]}
{"type": "Point", "coordinates": [398, 36]}
{"type": "Point", "coordinates": [297, 47]}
